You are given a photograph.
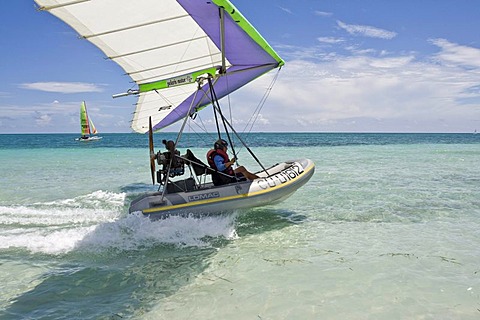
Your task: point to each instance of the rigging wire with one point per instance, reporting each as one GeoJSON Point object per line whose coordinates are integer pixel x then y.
{"type": "Point", "coordinates": [256, 113]}
{"type": "Point", "coordinates": [260, 105]}
{"type": "Point", "coordinates": [180, 132]}
{"type": "Point", "coordinates": [216, 106]}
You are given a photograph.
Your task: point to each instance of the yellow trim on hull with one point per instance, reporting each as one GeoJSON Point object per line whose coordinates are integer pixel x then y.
{"type": "Point", "coordinates": [209, 201]}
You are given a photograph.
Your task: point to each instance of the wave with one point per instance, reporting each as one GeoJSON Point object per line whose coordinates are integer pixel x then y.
{"type": "Point", "coordinates": [99, 222]}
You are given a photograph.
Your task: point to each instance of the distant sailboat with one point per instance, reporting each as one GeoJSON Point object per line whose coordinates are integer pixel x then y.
{"type": "Point", "coordinates": [87, 127]}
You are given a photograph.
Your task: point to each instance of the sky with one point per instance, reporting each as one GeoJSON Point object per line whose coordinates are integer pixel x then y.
{"type": "Point", "coordinates": [351, 66]}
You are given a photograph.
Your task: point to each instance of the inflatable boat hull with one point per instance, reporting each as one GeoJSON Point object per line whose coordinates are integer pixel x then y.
{"type": "Point", "coordinates": [281, 181]}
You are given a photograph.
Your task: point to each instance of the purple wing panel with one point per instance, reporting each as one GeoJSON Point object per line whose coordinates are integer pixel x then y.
{"type": "Point", "coordinates": [223, 86]}
{"type": "Point", "coordinates": [240, 48]}
{"type": "Point", "coordinates": [248, 60]}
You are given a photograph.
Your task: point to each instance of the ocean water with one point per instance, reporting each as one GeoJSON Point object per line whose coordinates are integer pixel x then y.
{"type": "Point", "coordinates": [387, 228]}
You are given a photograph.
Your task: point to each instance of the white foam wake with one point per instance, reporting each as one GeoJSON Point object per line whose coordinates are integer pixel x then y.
{"type": "Point", "coordinates": [99, 222]}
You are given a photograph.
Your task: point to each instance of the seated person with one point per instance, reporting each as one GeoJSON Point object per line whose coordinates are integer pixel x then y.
{"type": "Point", "coordinates": [218, 159]}
{"type": "Point", "coordinates": [177, 167]}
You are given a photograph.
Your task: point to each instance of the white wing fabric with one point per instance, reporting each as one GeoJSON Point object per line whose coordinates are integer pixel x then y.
{"type": "Point", "coordinates": [165, 46]}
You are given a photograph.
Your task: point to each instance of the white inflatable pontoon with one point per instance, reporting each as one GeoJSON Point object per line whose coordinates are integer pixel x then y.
{"type": "Point", "coordinates": [186, 197]}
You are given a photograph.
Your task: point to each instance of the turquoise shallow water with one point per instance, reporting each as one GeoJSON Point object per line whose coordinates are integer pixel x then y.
{"type": "Point", "coordinates": [387, 228]}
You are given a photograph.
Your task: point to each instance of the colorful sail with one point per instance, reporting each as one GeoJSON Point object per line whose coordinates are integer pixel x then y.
{"type": "Point", "coordinates": [86, 125]}
{"type": "Point", "coordinates": [168, 46]}
{"type": "Point", "coordinates": [84, 121]}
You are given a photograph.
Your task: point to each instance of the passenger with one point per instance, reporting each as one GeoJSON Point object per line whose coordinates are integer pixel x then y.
{"type": "Point", "coordinates": [218, 159]}
{"type": "Point", "coordinates": [177, 167]}
{"type": "Point", "coordinates": [170, 146]}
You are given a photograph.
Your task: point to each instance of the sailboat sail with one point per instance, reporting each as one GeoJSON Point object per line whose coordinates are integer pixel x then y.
{"type": "Point", "coordinates": [84, 121]}
{"type": "Point", "coordinates": [167, 46]}
{"type": "Point", "coordinates": [86, 125]}
{"type": "Point", "coordinates": [93, 130]}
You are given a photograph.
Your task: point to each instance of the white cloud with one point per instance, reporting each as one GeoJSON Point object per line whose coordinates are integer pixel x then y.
{"type": "Point", "coordinates": [43, 120]}
{"type": "Point", "coordinates": [62, 87]}
{"type": "Point", "coordinates": [286, 10]}
{"type": "Point", "coordinates": [457, 54]}
{"type": "Point", "coordinates": [364, 93]}
{"type": "Point", "coordinates": [330, 40]}
{"type": "Point", "coordinates": [323, 14]}
{"type": "Point", "coordinates": [62, 116]}
{"type": "Point", "coordinates": [367, 31]}
{"type": "Point", "coordinates": [262, 120]}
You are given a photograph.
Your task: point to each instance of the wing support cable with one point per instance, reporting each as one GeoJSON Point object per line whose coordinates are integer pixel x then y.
{"type": "Point", "coordinates": [176, 143]}
{"type": "Point", "coordinates": [261, 103]}
{"type": "Point", "coordinates": [216, 107]}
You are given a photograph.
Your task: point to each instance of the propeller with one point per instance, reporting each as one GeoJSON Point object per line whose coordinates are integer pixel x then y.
{"type": "Point", "coordinates": [152, 152]}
